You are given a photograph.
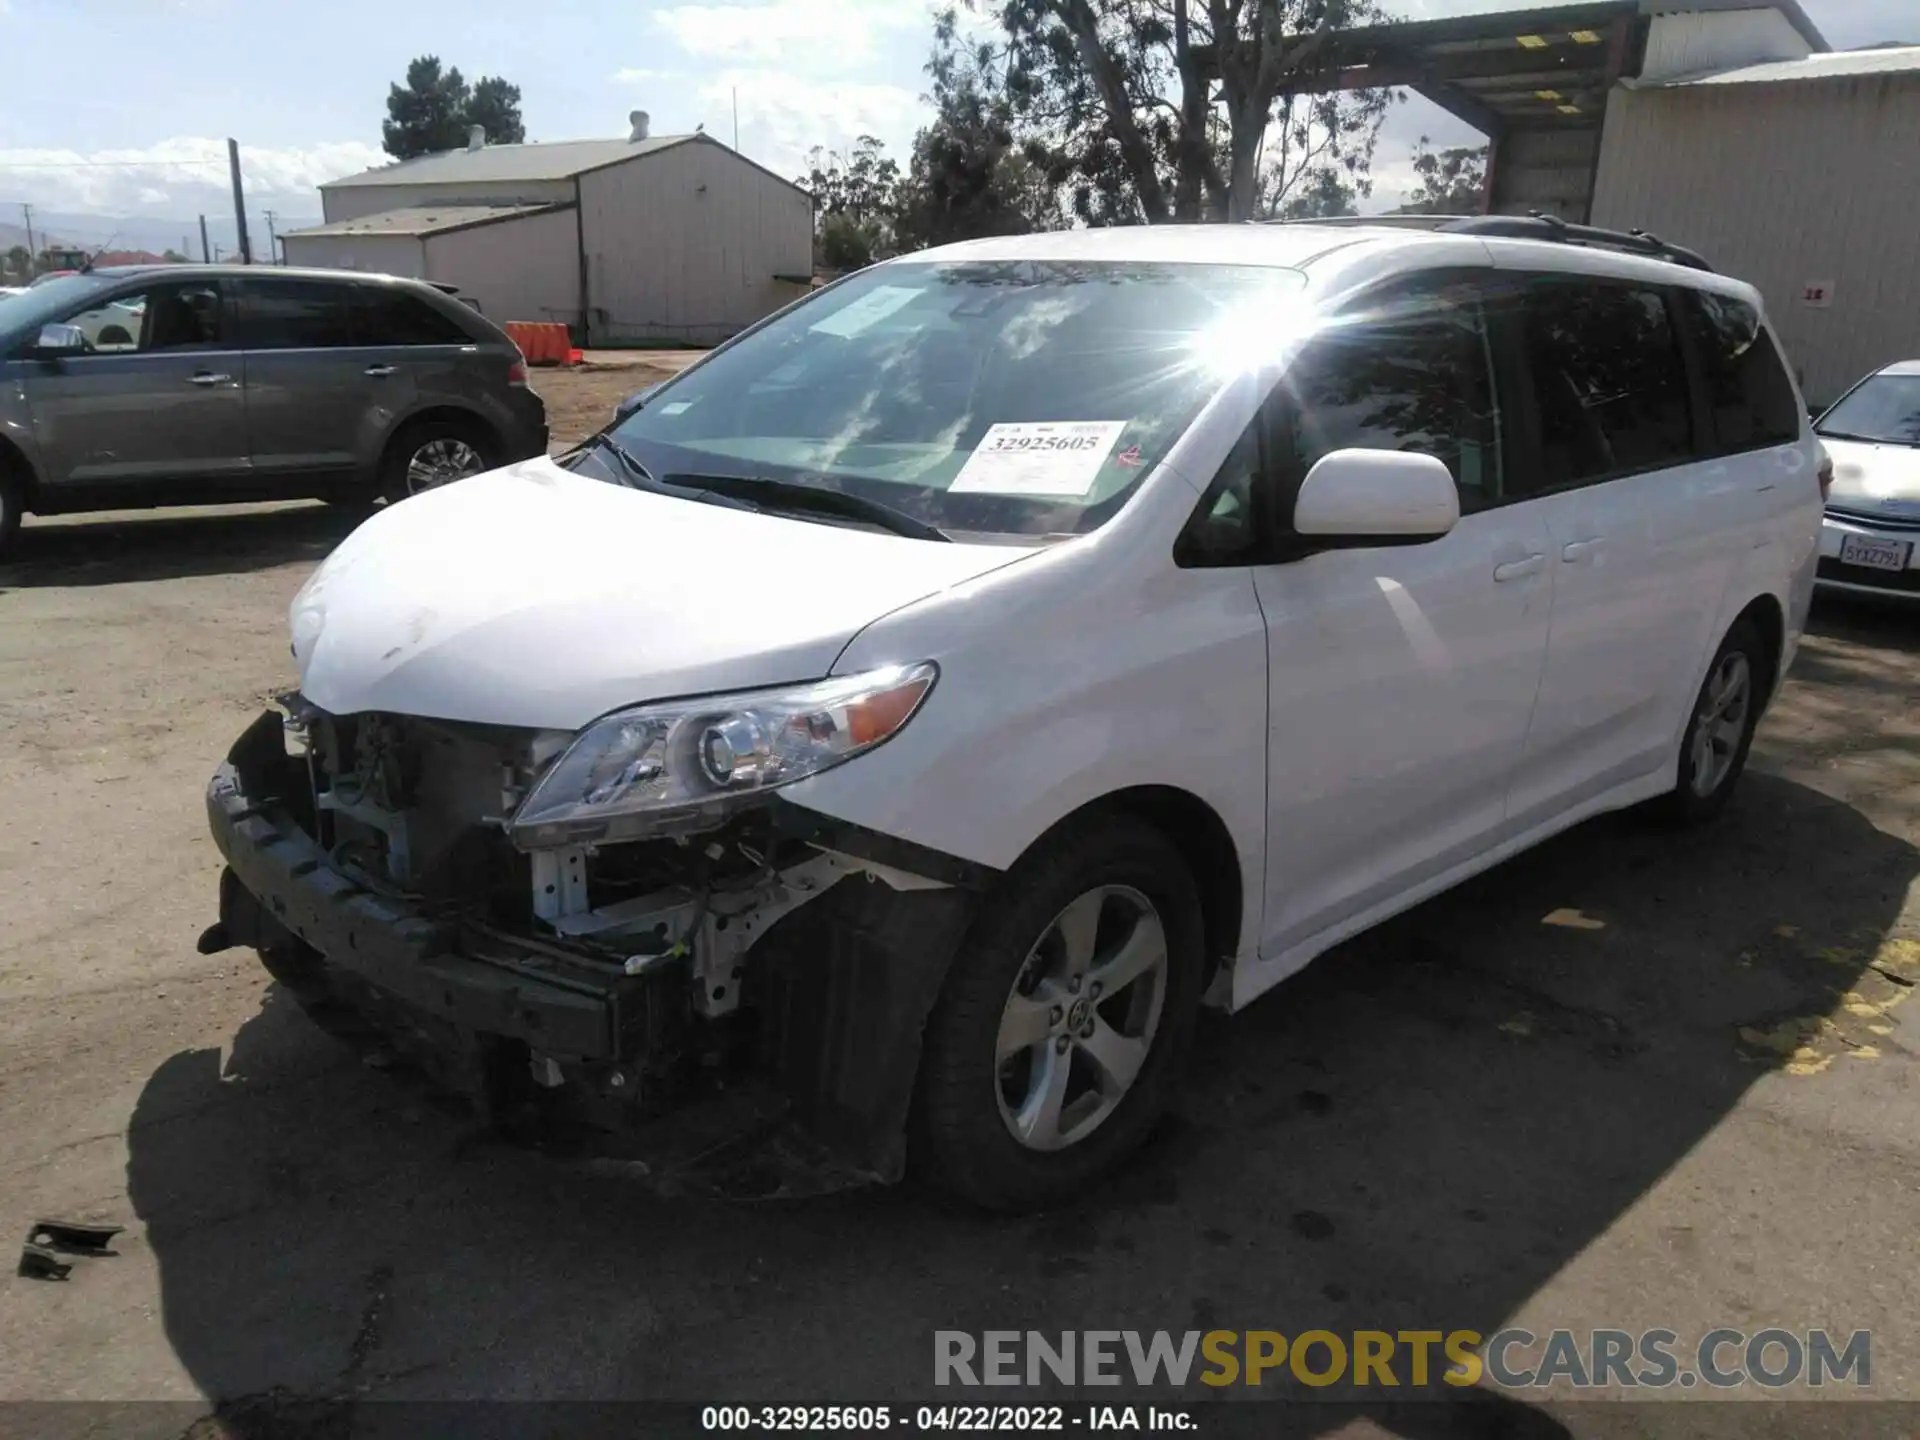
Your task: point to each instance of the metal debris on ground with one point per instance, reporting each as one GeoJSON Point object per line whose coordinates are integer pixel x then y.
{"type": "Point", "coordinates": [50, 1240]}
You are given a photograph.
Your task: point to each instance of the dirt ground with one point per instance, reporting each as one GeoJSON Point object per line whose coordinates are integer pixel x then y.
{"type": "Point", "coordinates": [1630, 1080]}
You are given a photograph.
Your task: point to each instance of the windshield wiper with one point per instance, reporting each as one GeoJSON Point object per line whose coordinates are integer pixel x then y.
{"type": "Point", "coordinates": [625, 458]}
{"type": "Point", "coordinates": [767, 493]}
{"type": "Point", "coordinates": [1864, 439]}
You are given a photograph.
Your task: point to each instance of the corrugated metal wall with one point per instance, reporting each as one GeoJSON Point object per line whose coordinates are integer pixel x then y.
{"type": "Point", "coordinates": [1786, 185]}
{"type": "Point", "coordinates": [684, 245]}
{"type": "Point", "coordinates": [350, 202]}
{"type": "Point", "coordinates": [524, 269]}
{"type": "Point", "coordinates": [1546, 170]}
{"type": "Point", "coordinates": [1715, 40]}
{"type": "Point", "coordinates": [374, 254]}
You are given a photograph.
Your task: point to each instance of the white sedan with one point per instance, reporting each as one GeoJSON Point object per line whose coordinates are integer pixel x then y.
{"type": "Point", "coordinates": [1871, 535]}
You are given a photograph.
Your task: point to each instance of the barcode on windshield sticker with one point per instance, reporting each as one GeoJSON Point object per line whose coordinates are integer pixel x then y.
{"type": "Point", "coordinates": [1054, 458]}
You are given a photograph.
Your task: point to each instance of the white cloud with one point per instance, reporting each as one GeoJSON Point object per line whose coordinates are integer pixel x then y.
{"type": "Point", "coordinates": [182, 173]}
{"type": "Point", "coordinates": [788, 31]}
{"type": "Point", "coordinates": [633, 75]}
{"type": "Point", "coordinates": [782, 116]}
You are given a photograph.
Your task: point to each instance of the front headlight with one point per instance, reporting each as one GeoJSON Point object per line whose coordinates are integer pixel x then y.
{"type": "Point", "coordinates": [685, 765]}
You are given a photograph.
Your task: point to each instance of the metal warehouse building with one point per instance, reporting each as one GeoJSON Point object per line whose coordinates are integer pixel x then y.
{"type": "Point", "coordinates": [668, 238]}
{"type": "Point", "coordinates": [1727, 126]}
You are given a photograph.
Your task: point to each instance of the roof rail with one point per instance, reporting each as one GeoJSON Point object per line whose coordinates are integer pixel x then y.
{"type": "Point", "coordinates": [1536, 226]}
{"type": "Point", "coordinates": [1532, 226]}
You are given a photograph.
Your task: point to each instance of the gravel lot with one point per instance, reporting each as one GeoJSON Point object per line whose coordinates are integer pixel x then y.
{"type": "Point", "coordinates": [1629, 1080]}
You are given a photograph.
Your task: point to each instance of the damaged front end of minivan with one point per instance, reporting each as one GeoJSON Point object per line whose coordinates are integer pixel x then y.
{"type": "Point", "coordinates": [623, 933]}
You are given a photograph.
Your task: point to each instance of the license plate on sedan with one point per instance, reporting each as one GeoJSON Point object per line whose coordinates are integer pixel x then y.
{"type": "Point", "coordinates": [1873, 553]}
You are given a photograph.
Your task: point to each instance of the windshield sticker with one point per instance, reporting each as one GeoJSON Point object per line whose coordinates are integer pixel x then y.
{"type": "Point", "coordinates": [1055, 458]}
{"type": "Point", "coordinates": [678, 407]}
{"type": "Point", "coordinates": [1129, 457]}
{"type": "Point", "coordinates": [869, 310]}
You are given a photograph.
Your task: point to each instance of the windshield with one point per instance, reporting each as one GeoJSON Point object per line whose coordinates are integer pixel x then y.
{"type": "Point", "coordinates": [1884, 409]}
{"type": "Point", "coordinates": [47, 301]}
{"type": "Point", "coordinates": [1010, 397]}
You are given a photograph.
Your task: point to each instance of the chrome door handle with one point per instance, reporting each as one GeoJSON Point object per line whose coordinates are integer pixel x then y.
{"type": "Point", "coordinates": [205, 379]}
{"type": "Point", "coordinates": [378, 372]}
{"type": "Point", "coordinates": [1519, 569]}
{"type": "Point", "coordinates": [1580, 549]}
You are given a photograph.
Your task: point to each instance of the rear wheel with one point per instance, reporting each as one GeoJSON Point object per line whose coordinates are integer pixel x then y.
{"type": "Point", "coordinates": [1060, 1030]}
{"type": "Point", "coordinates": [433, 453]}
{"type": "Point", "coordinates": [1713, 752]}
{"type": "Point", "coordinates": [13, 505]}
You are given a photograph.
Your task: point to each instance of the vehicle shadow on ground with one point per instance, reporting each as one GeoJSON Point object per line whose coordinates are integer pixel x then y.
{"type": "Point", "coordinates": [1417, 1133]}
{"type": "Point", "coordinates": [166, 546]}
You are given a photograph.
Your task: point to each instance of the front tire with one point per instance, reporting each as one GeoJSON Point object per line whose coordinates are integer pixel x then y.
{"type": "Point", "coordinates": [1719, 734]}
{"type": "Point", "coordinates": [432, 453]}
{"type": "Point", "coordinates": [1060, 1031]}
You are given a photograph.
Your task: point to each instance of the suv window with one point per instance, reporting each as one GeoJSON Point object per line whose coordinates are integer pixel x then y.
{"type": "Point", "coordinates": [161, 317]}
{"type": "Point", "coordinates": [1748, 394]}
{"type": "Point", "coordinates": [1609, 385]}
{"type": "Point", "coordinates": [391, 316]}
{"type": "Point", "coordinates": [298, 315]}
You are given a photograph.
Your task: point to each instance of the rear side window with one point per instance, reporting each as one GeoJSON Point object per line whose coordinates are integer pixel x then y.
{"type": "Point", "coordinates": [1609, 385]}
{"type": "Point", "coordinates": [391, 316]}
{"type": "Point", "coordinates": [298, 315]}
{"type": "Point", "coordinates": [1749, 397]}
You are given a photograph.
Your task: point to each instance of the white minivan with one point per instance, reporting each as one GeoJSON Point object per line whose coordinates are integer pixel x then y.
{"type": "Point", "coordinates": [893, 728]}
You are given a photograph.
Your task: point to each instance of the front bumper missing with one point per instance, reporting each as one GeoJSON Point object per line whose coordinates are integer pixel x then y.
{"type": "Point", "coordinates": [839, 991]}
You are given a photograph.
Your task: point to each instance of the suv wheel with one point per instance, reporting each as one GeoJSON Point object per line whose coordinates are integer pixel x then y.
{"type": "Point", "coordinates": [431, 454]}
{"type": "Point", "coordinates": [13, 505]}
{"type": "Point", "coordinates": [1713, 752]}
{"type": "Point", "coordinates": [1059, 1032]}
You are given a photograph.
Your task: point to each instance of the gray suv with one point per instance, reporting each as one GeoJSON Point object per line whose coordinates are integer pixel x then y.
{"type": "Point", "coordinates": [208, 384]}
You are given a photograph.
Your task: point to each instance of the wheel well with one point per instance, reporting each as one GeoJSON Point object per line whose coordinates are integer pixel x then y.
{"type": "Point", "coordinates": [1199, 833]}
{"type": "Point", "coordinates": [449, 414]}
{"type": "Point", "coordinates": [15, 465]}
{"type": "Point", "coordinates": [1764, 613]}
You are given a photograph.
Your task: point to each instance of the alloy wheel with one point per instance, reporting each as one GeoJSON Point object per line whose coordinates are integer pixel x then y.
{"type": "Point", "coordinates": [439, 461]}
{"type": "Point", "coordinates": [1081, 1017]}
{"type": "Point", "coordinates": [1720, 722]}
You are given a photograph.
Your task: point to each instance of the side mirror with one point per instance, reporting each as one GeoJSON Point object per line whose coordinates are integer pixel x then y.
{"type": "Point", "coordinates": [61, 340]}
{"type": "Point", "coordinates": [634, 401]}
{"type": "Point", "coordinates": [1355, 498]}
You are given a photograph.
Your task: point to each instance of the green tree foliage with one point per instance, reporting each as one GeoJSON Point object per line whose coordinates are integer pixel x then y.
{"type": "Point", "coordinates": [970, 176]}
{"type": "Point", "coordinates": [433, 110]}
{"type": "Point", "coordinates": [1187, 109]}
{"type": "Point", "coordinates": [856, 197]}
{"type": "Point", "coordinates": [1452, 182]}
{"type": "Point", "coordinates": [173, 257]}
{"type": "Point", "coordinates": [19, 261]}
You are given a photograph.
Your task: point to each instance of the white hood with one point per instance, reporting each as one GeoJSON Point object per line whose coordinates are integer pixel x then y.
{"type": "Point", "coordinates": [1871, 479]}
{"type": "Point", "coordinates": [532, 596]}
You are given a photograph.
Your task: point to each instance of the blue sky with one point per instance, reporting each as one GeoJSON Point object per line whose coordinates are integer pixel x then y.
{"type": "Point", "coordinates": [122, 106]}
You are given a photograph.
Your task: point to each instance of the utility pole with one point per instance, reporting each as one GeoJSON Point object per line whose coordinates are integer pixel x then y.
{"type": "Point", "coordinates": [33, 255]}
{"type": "Point", "coordinates": [239, 200]}
{"type": "Point", "coordinates": [736, 118]}
{"type": "Point", "coordinates": [273, 241]}
{"type": "Point", "coordinates": [206, 250]}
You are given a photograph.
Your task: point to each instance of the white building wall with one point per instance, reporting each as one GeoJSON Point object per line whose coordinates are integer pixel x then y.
{"type": "Point", "coordinates": [351, 202]}
{"type": "Point", "coordinates": [1718, 40]}
{"type": "Point", "coordinates": [684, 244]}
{"type": "Point", "coordinates": [372, 254]}
{"type": "Point", "coordinates": [1787, 185]}
{"type": "Point", "coordinates": [522, 269]}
